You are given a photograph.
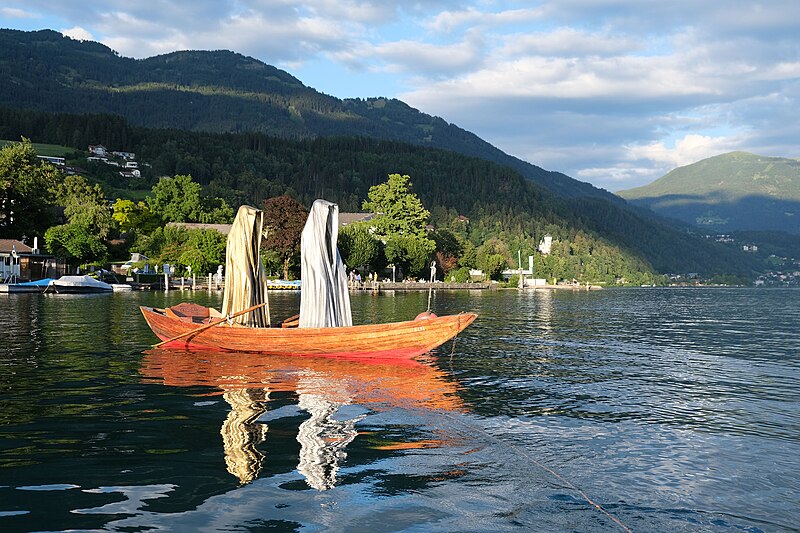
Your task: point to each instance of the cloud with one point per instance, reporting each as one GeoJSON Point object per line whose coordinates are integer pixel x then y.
{"type": "Point", "coordinates": [450, 21]}
{"type": "Point", "coordinates": [16, 13]}
{"type": "Point", "coordinates": [611, 91]}
{"type": "Point", "coordinates": [78, 33]}
{"type": "Point", "coordinates": [569, 42]}
{"type": "Point", "coordinates": [430, 60]}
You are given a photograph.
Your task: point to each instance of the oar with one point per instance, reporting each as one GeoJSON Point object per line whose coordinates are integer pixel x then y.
{"type": "Point", "coordinates": [211, 325]}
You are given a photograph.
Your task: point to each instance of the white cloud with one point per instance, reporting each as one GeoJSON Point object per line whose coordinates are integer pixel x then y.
{"type": "Point", "coordinates": [16, 13]}
{"type": "Point", "coordinates": [568, 42]}
{"type": "Point", "coordinates": [435, 61]}
{"type": "Point", "coordinates": [78, 33]}
{"type": "Point", "coordinates": [689, 149]}
{"type": "Point", "coordinates": [613, 91]}
{"type": "Point", "coordinates": [449, 21]}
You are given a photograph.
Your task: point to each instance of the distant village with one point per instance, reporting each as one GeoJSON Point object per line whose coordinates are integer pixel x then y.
{"type": "Point", "coordinates": [125, 161]}
{"type": "Point", "coordinates": [788, 274]}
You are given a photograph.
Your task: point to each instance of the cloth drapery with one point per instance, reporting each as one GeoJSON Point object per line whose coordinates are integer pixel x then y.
{"type": "Point", "coordinates": [245, 280]}
{"type": "Point", "coordinates": [324, 298]}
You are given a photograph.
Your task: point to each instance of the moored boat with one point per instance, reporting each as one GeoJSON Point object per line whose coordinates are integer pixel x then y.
{"type": "Point", "coordinates": [395, 340]}
{"type": "Point", "coordinates": [78, 285]}
{"type": "Point", "coordinates": [324, 325]}
{"type": "Point", "coordinates": [27, 286]}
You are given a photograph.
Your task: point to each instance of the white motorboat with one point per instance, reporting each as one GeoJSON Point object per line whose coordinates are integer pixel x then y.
{"type": "Point", "coordinates": [78, 284]}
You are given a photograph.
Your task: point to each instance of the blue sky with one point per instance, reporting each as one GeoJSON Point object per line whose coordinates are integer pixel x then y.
{"type": "Point", "coordinates": [613, 92]}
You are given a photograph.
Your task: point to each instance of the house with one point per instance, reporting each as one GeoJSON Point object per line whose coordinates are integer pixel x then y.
{"type": "Point", "coordinates": [128, 156]}
{"type": "Point", "coordinates": [57, 161]}
{"type": "Point", "coordinates": [546, 244]}
{"type": "Point", "coordinates": [20, 262]}
{"type": "Point", "coordinates": [345, 219]}
{"type": "Point", "coordinates": [98, 150]}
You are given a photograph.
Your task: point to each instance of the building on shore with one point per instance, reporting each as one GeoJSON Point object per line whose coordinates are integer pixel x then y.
{"type": "Point", "coordinates": [19, 262]}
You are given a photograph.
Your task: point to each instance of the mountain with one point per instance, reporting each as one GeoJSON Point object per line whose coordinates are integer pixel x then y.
{"type": "Point", "coordinates": [222, 91]}
{"type": "Point", "coordinates": [246, 130]}
{"type": "Point", "coordinates": [728, 192]}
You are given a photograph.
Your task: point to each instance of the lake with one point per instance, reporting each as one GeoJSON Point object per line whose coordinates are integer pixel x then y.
{"type": "Point", "coordinates": [642, 409]}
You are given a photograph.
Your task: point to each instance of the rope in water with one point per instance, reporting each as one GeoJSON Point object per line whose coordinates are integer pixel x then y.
{"type": "Point", "coordinates": [544, 467]}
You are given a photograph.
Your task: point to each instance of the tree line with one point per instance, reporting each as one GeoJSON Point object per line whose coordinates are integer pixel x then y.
{"type": "Point", "coordinates": [497, 202]}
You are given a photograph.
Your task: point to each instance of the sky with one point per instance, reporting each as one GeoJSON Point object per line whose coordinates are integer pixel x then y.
{"type": "Point", "coordinates": [612, 92]}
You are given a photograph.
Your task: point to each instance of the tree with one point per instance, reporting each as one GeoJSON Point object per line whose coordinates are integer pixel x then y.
{"type": "Point", "coordinates": [77, 243]}
{"type": "Point", "coordinates": [179, 199]}
{"type": "Point", "coordinates": [85, 205]}
{"type": "Point", "coordinates": [134, 216]}
{"type": "Point", "coordinates": [176, 199]}
{"type": "Point", "coordinates": [448, 249]}
{"type": "Point", "coordinates": [357, 246]}
{"type": "Point", "coordinates": [284, 218]}
{"type": "Point", "coordinates": [401, 222]}
{"type": "Point", "coordinates": [27, 191]}
{"type": "Point", "coordinates": [398, 211]}
{"type": "Point", "coordinates": [410, 253]}
{"type": "Point", "coordinates": [203, 250]}
{"type": "Point", "coordinates": [492, 265]}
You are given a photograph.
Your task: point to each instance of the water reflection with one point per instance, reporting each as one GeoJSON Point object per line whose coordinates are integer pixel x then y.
{"type": "Point", "coordinates": [323, 389]}
{"type": "Point", "coordinates": [242, 433]}
{"type": "Point", "coordinates": [323, 439]}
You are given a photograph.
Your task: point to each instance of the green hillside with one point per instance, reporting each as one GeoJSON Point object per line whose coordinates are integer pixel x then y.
{"type": "Point", "coordinates": [729, 192]}
{"type": "Point", "coordinates": [247, 130]}
{"type": "Point", "coordinates": [499, 202]}
{"type": "Point", "coordinates": [222, 91]}
{"type": "Point", "coordinates": [53, 150]}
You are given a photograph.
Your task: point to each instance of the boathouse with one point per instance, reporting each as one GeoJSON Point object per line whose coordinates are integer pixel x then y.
{"type": "Point", "coordinates": [20, 262]}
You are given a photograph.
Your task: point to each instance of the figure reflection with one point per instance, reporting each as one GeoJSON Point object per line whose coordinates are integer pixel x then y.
{"type": "Point", "coordinates": [241, 433]}
{"type": "Point", "coordinates": [322, 440]}
{"type": "Point", "coordinates": [323, 387]}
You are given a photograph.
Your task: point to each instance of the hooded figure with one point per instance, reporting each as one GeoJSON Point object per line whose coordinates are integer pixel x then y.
{"type": "Point", "coordinates": [324, 298]}
{"type": "Point", "coordinates": [245, 280]}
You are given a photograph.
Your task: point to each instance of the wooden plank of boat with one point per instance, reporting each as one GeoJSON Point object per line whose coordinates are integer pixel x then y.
{"type": "Point", "coordinates": [379, 341]}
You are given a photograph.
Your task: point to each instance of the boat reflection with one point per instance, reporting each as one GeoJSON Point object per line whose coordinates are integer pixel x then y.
{"type": "Point", "coordinates": [323, 386]}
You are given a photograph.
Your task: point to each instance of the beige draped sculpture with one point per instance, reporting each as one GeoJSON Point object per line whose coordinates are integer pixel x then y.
{"type": "Point", "coordinates": [245, 280]}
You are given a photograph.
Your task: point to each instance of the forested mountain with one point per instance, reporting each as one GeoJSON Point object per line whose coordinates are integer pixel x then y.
{"type": "Point", "coordinates": [499, 202]}
{"type": "Point", "coordinates": [219, 92]}
{"type": "Point", "coordinates": [247, 131]}
{"type": "Point", "coordinates": [729, 192]}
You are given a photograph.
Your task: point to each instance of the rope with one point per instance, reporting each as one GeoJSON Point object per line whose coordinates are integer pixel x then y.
{"type": "Point", "coordinates": [547, 469]}
{"type": "Point", "coordinates": [453, 348]}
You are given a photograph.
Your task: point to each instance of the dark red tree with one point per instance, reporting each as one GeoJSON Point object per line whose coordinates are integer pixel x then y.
{"type": "Point", "coordinates": [284, 218]}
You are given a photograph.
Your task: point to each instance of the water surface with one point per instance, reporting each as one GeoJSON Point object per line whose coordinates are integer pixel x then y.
{"type": "Point", "coordinates": [670, 409]}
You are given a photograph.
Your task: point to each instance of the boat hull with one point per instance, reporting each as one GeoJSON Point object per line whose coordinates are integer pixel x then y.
{"type": "Point", "coordinates": [68, 289]}
{"type": "Point", "coordinates": [397, 340]}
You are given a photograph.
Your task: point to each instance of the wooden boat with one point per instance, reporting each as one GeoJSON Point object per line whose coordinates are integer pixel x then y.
{"type": "Point", "coordinates": [397, 340]}
{"type": "Point", "coordinates": [243, 324]}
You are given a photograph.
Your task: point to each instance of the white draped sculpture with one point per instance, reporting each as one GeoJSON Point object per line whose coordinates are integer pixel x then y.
{"type": "Point", "coordinates": [324, 298]}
